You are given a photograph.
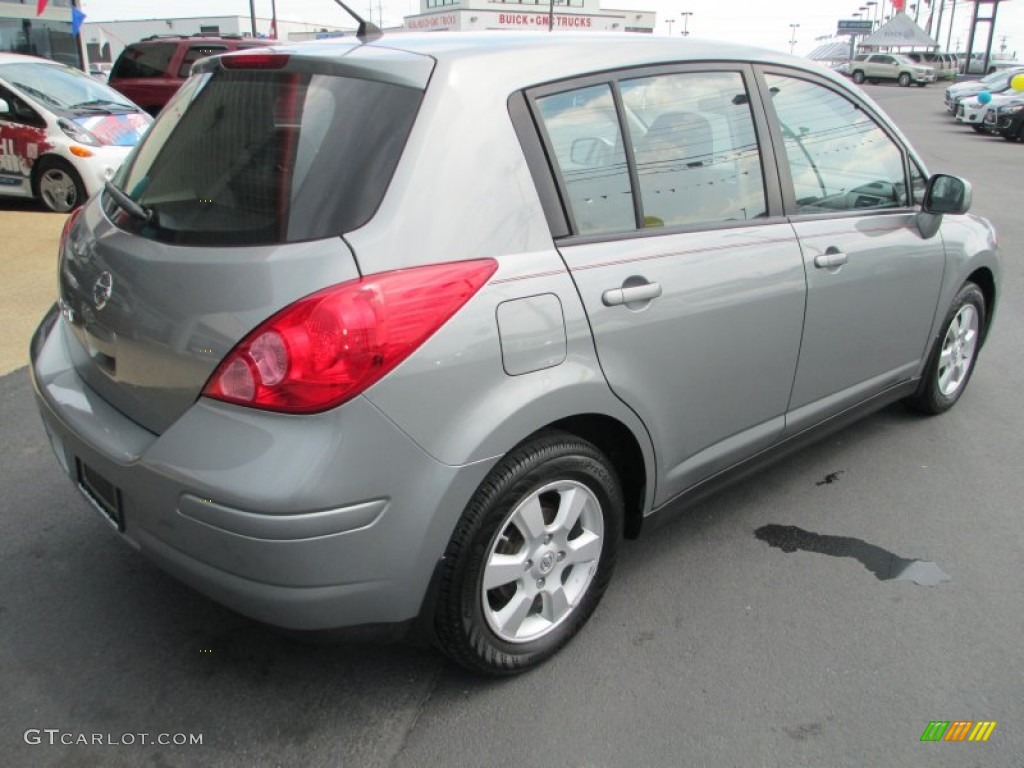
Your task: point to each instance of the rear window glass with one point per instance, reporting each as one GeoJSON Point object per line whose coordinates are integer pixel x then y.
{"type": "Point", "coordinates": [254, 157]}
{"type": "Point", "coordinates": [197, 52]}
{"type": "Point", "coordinates": [149, 60]}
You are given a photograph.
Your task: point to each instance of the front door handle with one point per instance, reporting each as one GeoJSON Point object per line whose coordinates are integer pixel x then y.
{"type": "Point", "coordinates": [830, 259]}
{"type": "Point", "coordinates": [613, 297]}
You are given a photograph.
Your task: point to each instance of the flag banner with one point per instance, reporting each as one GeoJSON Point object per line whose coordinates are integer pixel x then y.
{"type": "Point", "coordinates": [77, 18]}
{"type": "Point", "coordinates": [41, 6]}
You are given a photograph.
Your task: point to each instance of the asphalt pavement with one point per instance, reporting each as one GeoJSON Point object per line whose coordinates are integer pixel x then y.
{"type": "Point", "coordinates": [768, 627]}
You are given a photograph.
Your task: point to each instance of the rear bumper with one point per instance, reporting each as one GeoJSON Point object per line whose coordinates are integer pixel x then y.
{"type": "Point", "coordinates": [313, 522]}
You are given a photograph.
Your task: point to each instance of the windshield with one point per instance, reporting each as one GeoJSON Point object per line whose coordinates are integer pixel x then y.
{"type": "Point", "coordinates": [247, 157]}
{"type": "Point", "coordinates": [64, 89]}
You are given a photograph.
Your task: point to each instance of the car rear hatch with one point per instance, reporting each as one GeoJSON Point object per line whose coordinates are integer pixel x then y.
{"type": "Point", "coordinates": [237, 200]}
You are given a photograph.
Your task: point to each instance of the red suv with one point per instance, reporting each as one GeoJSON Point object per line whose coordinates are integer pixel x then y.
{"type": "Point", "coordinates": [150, 71]}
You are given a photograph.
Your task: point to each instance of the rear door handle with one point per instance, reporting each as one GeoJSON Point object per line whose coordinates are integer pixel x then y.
{"type": "Point", "coordinates": [613, 297]}
{"type": "Point", "coordinates": [830, 259]}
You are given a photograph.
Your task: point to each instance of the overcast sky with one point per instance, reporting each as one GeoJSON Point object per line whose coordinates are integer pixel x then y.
{"type": "Point", "coordinates": [757, 22]}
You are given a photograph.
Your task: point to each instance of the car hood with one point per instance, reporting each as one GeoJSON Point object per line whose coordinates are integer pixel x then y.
{"type": "Point", "coordinates": [118, 130]}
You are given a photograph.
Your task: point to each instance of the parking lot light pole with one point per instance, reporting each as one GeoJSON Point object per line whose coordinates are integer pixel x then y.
{"type": "Point", "coordinates": [792, 38]}
{"type": "Point", "coordinates": [686, 22]}
{"type": "Point", "coordinates": [252, 16]}
{"type": "Point", "coordinates": [670, 22]}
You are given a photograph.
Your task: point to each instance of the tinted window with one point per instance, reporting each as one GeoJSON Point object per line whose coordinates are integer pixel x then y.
{"type": "Point", "coordinates": [252, 157]}
{"type": "Point", "coordinates": [696, 158]}
{"type": "Point", "coordinates": [583, 130]}
{"type": "Point", "coordinates": [838, 157]}
{"type": "Point", "coordinates": [196, 52]}
{"type": "Point", "coordinates": [146, 60]}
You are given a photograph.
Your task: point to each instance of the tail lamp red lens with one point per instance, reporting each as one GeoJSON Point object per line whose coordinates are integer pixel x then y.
{"type": "Point", "coordinates": [69, 222]}
{"type": "Point", "coordinates": [254, 60]}
{"type": "Point", "coordinates": [332, 345]}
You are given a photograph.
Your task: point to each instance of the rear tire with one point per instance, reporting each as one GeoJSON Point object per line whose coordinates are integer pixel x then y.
{"type": "Point", "coordinates": [530, 557]}
{"type": "Point", "coordinates": [904, 80]}
{"type": "Point", "coordinates": [953, 354]}
{"type": "Point", "coordinates": [858, 76]}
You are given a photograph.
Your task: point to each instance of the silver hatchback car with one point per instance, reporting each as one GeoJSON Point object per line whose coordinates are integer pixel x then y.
{"type": "Point", "coordinates": [414, 331]}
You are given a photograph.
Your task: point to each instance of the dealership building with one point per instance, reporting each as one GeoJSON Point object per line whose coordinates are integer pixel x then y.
{"type": "Point", "coordinates": [47, 34]}
{"type": "Point", "coordinates": [578, 15]}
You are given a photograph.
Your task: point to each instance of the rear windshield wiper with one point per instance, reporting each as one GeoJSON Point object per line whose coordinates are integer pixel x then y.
{"type": "Point", "coordinates": [127, 204]}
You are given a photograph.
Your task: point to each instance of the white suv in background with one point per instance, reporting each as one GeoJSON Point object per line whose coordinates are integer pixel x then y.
{"type": "Point", "coordinates": [874, 67]}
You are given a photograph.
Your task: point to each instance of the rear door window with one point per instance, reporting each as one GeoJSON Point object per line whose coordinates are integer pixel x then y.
{"type": "Point", "coordinates": [697, 159]}
{"type": "Point", "coordinates": [149, 60]}
{"type": "Point", "coordinates": [248, 157]}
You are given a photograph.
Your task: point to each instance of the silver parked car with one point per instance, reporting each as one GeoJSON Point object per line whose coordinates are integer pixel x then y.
{"type": "Point", "coordinates": [371, 332]}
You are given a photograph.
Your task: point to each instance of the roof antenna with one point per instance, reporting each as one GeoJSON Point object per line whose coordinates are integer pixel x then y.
{"type": "Point", "coordinates": [367, 29]}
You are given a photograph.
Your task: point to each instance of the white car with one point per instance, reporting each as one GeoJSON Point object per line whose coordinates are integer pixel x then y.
{"type": "Point", "coordinates": [62, 133]}
{"type": "Point", "coordinates": [971, 111]}
{"type": "Point", "coordinates": [993, 82]}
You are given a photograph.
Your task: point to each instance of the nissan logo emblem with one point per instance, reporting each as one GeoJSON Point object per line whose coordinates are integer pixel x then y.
{"type": "Point", "coordinates": [101, 290]}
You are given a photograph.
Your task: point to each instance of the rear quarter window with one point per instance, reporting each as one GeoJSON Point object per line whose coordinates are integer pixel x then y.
{"type": "Point", "coordinates": [149, 60]}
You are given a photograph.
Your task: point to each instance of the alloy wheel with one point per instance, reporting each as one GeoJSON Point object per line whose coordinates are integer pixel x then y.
{"type": "Point", "coordinates": [958, 348]}
{"type": "Point", "coordinates": [542, 561]}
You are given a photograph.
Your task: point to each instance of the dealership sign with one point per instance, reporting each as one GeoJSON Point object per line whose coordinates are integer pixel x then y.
{"type": "Point", "coordinates": [855, 27]}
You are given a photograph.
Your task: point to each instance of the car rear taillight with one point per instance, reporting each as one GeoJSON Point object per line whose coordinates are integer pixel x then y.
{"type": "Point", "coordinates": [254, 60]}
{"type": "Point", "coordinates": [69, 222]}
{"type": "Point", "coordinates": [328, 347]}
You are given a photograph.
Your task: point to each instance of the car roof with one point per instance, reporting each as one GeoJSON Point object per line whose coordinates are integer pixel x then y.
{"type": "Point", "coordinates": [19, 58]}
{"type": "Point", "coordinates": [203, 39]}
{"type": "Point", "coordinates": [518, 59]}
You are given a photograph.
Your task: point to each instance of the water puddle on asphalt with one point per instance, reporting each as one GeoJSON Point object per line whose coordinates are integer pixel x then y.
{"type": "Point", "coordinates": [886, 565]}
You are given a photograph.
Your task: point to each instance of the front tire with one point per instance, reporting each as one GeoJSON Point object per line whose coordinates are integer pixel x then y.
{"type": "Point", "coordinates": [530, 557]}
{"type": "Point", "coordinates": [954, 353]}
{"type": "Point", "coordinates": [58, 185]}
{"type": "Point", "coordinates": [858, 77]}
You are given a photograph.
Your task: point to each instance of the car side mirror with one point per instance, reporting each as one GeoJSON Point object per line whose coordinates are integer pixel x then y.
{"type": "Point", "coordinates": [5, 108]}
{"type": "Point", "coordinates": [946, 194]}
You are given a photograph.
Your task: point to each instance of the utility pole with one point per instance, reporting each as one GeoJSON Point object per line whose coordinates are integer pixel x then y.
{"type": "Point", "coordinates": [252, 16]}
{"type": "Point", "coordinates": [792, 38]}
{"type": "Point", "coordinates": [952, 16]}
{"type": "Point", "coordinates": [686, 22]}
